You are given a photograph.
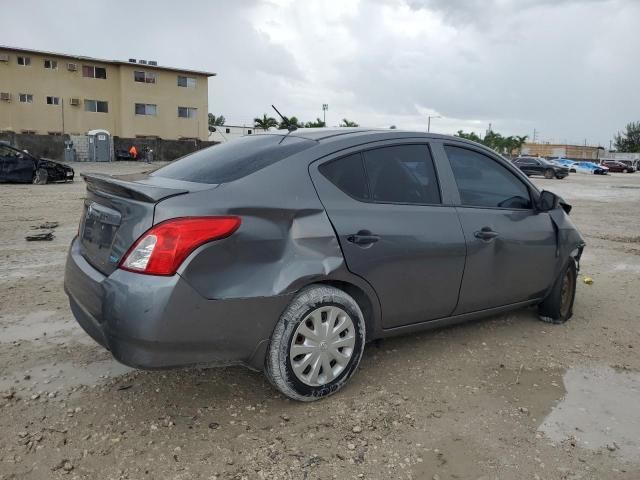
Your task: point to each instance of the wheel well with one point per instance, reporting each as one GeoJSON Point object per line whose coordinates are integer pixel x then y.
{"type": "Point", "coordinates": [361, 298]}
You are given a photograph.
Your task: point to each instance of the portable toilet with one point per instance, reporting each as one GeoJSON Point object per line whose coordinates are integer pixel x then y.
{"type": "Point", "coordinates": [99, 146]}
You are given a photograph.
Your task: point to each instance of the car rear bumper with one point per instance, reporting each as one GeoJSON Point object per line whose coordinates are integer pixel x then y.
{"type": "Point", "coordinates": [159, 322]}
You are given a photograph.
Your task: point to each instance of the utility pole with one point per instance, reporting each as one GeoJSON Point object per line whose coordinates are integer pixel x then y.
{"type": "Point", "coordinates": [534, 135]}
{"type": "Point", "coordinates": [325, 107]}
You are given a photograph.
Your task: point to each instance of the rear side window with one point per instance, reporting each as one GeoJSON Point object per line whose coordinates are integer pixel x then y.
{"type": "Point", "coordinates": [396, 174]}
{"type": "Point", "coordinates": [401, 174]}
{"type": "Point", "coordinates": [233, 160]}
{"type": "Point", "coordinates": [348, 175]}
{"type": "Point", "coordinates": [483, 182]}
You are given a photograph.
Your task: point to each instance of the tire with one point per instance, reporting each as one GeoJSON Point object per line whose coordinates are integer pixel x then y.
{"type": "Point", "coordinates": [40, 177]}
{"type": "Point", "coordinates": [624, 170]}
{"type": "Point", "coordinates": [303, 377]}
{"type": "Point", "coordinates": [560, 177]}
{"type": "Point", "coordinates": [549, 174]}
{"type": "Point", "coordinates": [557, 308]}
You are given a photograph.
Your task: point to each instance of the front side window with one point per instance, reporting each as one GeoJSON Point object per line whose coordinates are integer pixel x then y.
{"type": "Point", "coordinates": [98, 106]}
{"type": "Point", "coordinates": [24, 61]}
{"type": "Point", "coordinates": [187, 112]}
{"type": "Point", "coordinates": [145, 109]}
{"type": "Point", "coordinates": [144, 77]}
{"type": "Point", "coordinates": [91, 71]}
{"type": "Point", "coordinates": [402, 174]}
{"type": "Point", "coordinates": [26, 98]}
{"type": "Point", "coordinates": [483, 182]}
{"type": "Point", "coordinates": [53, 100]}
{"type": "Point", "coordinates": [188, 82]}
{"type": "Point", "coordinates": [51, 64]}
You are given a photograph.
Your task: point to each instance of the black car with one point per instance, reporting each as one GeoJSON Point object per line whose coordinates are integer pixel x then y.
{"type": "Point", "coordinates": [540, 166]}
{"type": "Point", "coordinates": [18, 166]}
{"type": "Point", "coordinates": [122, 154]}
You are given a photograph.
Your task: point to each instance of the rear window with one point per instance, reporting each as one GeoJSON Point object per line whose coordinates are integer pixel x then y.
{"type": "Point", "coordinates": [233, 160]}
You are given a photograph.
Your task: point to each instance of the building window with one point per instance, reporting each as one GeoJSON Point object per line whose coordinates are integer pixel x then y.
{"type": "Point", "coordinates": [26, 98]}
{"type": "Point", "coordinates": [90, 71]}
{"type": "Point", "coordinates": [28, 132]}
{"type": "Point", "coordinates": [188, 82]}
{"type": "Point", "coordinates": [53, 100]}
{"type": "Point", "coordinates": [227, 130]}
{"type": "Point", "coordinates": [51, 64]}
{"type": "Point", "coordinates": [187, 112]}
{"type": "Point", "coordinates": [56, 134]}
{"type": "Point", "coordinates": [146, 109]}
{"type": "Point", "coordinates": [144, 77]}
{"type": "Point", "coordinates": [249, 132]}
{"type": "Point", "coordinates": [96, 106]}
{"type": "Point", "coordinates": [24, 61]}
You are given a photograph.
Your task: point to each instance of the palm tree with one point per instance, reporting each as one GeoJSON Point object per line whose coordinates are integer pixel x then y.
{"type": "Point", "coordinates": [290, 123]}
{"type": "Point", "coordinates": [348, 123]}
{"type": "Point", "coordinates": [317, 124]}
{"type": "Point", "coordinates": [216, 121]}
{"type": "Point", "coordinates": [519, 142]}
{"type": "Point", "coordinates": [265, 123]}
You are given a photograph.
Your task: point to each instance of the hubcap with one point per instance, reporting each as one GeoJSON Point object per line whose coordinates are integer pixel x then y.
{"type": "Point", "coordinates": [322, 346]}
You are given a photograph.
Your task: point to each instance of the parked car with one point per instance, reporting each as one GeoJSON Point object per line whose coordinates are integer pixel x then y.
{"type": "Point", "coordinates": [18, 166]}
{"type": "Point", "coordinates": [590, 167]}
{"type": "Point", "coordinates": [618, 167]}
{"type": "Point", "coordinates": [288, 252]}
{"type": "Point", "coordinates": [122, 154]}
{"type": "Point", "coordinates": [565, 162]}
{"type": "Point", "coordinates": [540, 166]}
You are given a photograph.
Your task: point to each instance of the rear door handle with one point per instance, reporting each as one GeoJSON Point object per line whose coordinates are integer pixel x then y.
{"type": "Point", "coordinates": [486, 234]}
{"type": "Point", "coordinates": [363, 237]}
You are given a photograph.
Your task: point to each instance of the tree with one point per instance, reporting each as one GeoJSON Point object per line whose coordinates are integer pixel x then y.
{"type": "Point", "coordinates": [392, 127]}
{"type": "Point", "coordinates": [468, 136]}
{"type": "Point", "coordinates": [629, 141]}
{"type": "Point", "coordinates": [317, 124]}
{"type": "Point", "coordinates": [502, 145]}
{"type": "Point", "coordinates": [216, 121]}
{"type": "Point", "coordinates": [265, 123]}
{"type": "Point", "coordinates": [291, 122]}
{"type": "Point", "coordinates": [348, 123]}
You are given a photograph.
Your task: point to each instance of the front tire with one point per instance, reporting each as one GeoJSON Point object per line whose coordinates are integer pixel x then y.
{"type": "Point", "coordinates": [548, 174]}
{"type": "Point", "coordinates": [557, 308]}
{"type": "Point", "coordinates": [316, 345]}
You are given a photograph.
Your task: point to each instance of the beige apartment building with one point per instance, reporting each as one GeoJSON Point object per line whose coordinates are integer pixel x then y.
{"type": "Point", "coordinates": [53, 93]}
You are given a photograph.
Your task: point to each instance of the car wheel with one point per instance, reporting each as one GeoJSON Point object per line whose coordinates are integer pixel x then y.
{"type": "Point", "coordinates": [317, 344]}
{"type": "Point", "coordinates": [548, 174]}
{"type": "Point", "coordinates": [624, 170]}
{"type": "Point", "coordinates": [558, 306]}
{"type": "Point", "coordinates": [41, 177]}
{"type": "Point", "coordinates": [560, 177]}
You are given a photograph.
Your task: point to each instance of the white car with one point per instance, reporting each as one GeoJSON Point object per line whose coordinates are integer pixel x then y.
{"type": "Point", "coordinates": [590, 168]}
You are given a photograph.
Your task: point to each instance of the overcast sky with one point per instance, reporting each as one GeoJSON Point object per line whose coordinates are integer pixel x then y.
{"type": "Point", "coordinates": [568, 68]}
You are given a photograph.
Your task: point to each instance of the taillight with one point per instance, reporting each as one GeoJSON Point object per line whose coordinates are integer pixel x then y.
{"type": "Point", "coordinates": [163, 248]}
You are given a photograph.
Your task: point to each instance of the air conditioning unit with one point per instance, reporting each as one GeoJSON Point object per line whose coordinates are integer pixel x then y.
{"type": "Point", "coordinates": [74, 101]}
{"type": "Point", "coordinates": [153, 62]}
{"type": "Point", "coordinates": [5, 96]}
{"type": "Point", "coordinates": [72, 67]}
{"type": "Point", "coordinates": [132, 60]}
{"type": "Point", "coordinates": [142, 62]}
{"type": "Point", "coordinates": [4, 57]}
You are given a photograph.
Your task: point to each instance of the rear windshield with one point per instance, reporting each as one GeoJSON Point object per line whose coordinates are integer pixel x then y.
{"type": "Point", "coordinates": [233, 160]}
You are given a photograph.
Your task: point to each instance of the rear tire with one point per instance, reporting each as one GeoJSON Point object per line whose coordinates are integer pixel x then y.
{"type": "Point", "coordinates": [40, 177]}
{"type": "Point", "coordinates": [624, 170]}
{"type": "Point", "coordinates": [548, 174]}
{"type": "Point", "coordinates": [322, 367]}
{"type": "Point", "coordinates": [557, 308]}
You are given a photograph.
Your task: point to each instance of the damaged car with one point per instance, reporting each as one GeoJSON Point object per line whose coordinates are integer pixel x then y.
{"type": "Point", "coordinates": [288, 251]}
{"type": "Point", "coordinates": [19, 166]}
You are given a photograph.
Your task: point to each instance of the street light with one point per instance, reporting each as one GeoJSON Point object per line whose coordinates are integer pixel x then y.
{"type": "Point", "coordinates": [325, 107]}
{"type": "Point", "coordinates": [429, 117]}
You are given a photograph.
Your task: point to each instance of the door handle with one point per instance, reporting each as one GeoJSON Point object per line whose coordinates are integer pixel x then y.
{"type": "Point", "coordinates": [486, 234]}
{"type": "Point", "coordinates": [363, 237]}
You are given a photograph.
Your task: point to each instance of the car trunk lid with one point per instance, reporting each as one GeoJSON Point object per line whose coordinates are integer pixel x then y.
{"type": "Point", "coordinates": [117, 211]}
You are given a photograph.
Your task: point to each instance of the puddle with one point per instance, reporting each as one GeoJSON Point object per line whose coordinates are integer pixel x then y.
{"type": "Point", "coordinates": [601, 410]}
{"type": "Point", "coordinates": [39, 325]}
{"type": "Point", "coordinates": [63, 375]}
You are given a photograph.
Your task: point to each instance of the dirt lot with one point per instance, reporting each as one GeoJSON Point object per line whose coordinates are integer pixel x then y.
{"type": "Point", "coordinates": [505, 398]}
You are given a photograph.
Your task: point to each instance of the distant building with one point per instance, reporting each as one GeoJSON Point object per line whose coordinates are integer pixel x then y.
{"type": "Point", "coordinates": [55, 93]}
{"type": "Point", "coordinates": [224, 133]}
{"type": "Point", "coordinates": [554, 150]}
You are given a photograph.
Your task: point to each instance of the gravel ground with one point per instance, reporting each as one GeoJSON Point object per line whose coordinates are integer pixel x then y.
{"type": "Point", "coordinates": [504, 398]}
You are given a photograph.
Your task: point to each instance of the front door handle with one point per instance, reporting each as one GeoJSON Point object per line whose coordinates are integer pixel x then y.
{"type": "Point", "coordinates": [363, 237]}
{"type": "Point", "coordinates": [486, 234]}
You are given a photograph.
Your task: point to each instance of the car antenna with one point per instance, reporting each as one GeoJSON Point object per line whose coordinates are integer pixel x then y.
{"type": "Point", "coordinates": [285, 120]}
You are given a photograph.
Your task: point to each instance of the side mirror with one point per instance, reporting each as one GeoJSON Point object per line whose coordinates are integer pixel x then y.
{"type": "Point", "coordinates": [547, 201]}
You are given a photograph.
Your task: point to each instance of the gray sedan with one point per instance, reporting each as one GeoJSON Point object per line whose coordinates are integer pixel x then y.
{"type": "Point", "coordinates": [287, 252]}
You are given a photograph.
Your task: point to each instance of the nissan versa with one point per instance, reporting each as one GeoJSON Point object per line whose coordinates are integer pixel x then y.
{"type": "Point", "coordinates": [287, 252]}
